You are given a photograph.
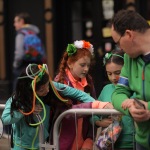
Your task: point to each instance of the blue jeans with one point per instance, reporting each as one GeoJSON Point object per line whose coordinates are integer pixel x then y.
{"type": "Point", "coordinates": [140, 147]}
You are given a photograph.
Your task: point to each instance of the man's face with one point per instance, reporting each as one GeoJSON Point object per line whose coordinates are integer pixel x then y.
{"type": "Point", "coordinates": [18, 23]}
{"type": "Point", "coordinates": [125, 42]}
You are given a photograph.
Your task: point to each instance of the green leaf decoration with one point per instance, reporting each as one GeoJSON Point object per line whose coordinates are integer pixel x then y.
{"type": "Point", "coordinates": [71, 49]}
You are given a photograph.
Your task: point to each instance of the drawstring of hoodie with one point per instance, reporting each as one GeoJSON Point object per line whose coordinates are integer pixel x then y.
{"type": "Point", "coordinates": [143, 81]}
{"type": "Point", "coordinates": [143, 78]}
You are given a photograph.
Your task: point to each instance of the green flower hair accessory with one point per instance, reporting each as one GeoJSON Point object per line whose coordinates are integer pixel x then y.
{"type": "Point", "coordinates": [106, 57]}
{"type": "Point", "coordinates": [109, 55]}
{"type": "Point", "coordinates": [71, 49]}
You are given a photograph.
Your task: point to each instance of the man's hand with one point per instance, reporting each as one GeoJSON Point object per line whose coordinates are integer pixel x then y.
{"type": "Point", "coordinates": [127, 103]}
{"type": "Point", "coordinates": [140, 104]}
{"type": "Point", "coordinates": [136, 109]}
{"type": "Point", "coordinates": [139, 115]}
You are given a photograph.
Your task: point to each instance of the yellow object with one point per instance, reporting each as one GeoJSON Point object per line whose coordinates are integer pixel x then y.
{"type": "Point", "coordinates": [148, 22]}
{"type": "Point", "coordinates": [106, 31]}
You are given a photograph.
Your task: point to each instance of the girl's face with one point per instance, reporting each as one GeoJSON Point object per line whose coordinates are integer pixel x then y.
{"type": "Point", "coordinates": [80, 68]}
{"type": "Point", "coordinates": [113, 71]}
{"type": "Point", "coordinates": [43, 90]}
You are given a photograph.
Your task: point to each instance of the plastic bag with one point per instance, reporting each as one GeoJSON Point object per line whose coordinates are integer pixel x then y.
{"type": "Point", "coordinates": [109, 135]}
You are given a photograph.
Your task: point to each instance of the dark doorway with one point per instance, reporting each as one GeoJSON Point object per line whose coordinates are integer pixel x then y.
{"type": "Point", "coordinates": [11, 7]}
{"type": "Point", "coordinates": [77, 20]}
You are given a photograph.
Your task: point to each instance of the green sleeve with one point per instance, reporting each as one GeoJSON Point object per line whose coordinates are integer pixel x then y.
{"type": "Point", "coordinates": [73, 93]}
{"type": "Point", "coordinates": [148, 105]}
{"type": "Point", "coordinates": [122, 92]}
{"type": "Point", "coordinates": [101, 95]}
{"type": "Point", "coordinates": [7, 117]}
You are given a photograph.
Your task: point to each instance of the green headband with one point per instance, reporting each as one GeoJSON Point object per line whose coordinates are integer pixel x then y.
{"type": "Point", "coordinates": [109, 55]}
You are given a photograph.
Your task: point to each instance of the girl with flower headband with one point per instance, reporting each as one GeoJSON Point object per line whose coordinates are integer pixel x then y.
{"type": "Point", "coordinates": [73, 71]}
{"type": "Point", "coordinates": [114, 62]}
{"type": "Point", "coordinates": [30, 105]}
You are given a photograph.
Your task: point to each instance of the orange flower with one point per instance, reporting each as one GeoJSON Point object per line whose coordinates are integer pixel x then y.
{"type": "Point", "coordinates": [86, 44]}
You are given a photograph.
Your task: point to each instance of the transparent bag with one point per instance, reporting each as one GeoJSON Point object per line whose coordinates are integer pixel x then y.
{"type": "Point", "coordinates": [109, 135]}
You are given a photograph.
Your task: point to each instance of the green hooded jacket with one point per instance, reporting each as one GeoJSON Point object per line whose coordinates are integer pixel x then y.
{"type": "Point", "coordinates": [135, 77]}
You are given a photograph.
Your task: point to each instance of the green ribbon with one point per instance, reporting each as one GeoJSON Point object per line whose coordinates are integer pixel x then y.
{"type": "Point", "coordinates": [109, 55]}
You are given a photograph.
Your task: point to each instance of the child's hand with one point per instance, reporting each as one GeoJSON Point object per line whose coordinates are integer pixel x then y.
{"type": "Point", "coordinates": [109, 106]}
{"type": "Point", "coordinates": [38, 109]}
{"type": "Point", "coordinates": [127, 103]}
{"type": "Point", "coordinates": [104, 122]}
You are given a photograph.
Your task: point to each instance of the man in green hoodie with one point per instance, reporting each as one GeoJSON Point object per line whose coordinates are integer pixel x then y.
{"type": "Point", "coordinates": [131, 32]}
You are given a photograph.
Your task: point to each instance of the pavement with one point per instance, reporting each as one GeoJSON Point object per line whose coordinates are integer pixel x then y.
{"type": "Point", "coordinates": [5, 143]}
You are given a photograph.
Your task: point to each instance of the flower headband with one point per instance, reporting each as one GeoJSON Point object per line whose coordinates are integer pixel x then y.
{"type": "Point", "coordinates": [109, 55]}
{"type": "Point", "coordinates": [72, 48]}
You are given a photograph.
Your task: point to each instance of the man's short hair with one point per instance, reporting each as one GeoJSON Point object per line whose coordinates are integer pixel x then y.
{"type": "Point", "coordinates": [25, 16]}
{"type": "Point", "coordinates": [129, 20]}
